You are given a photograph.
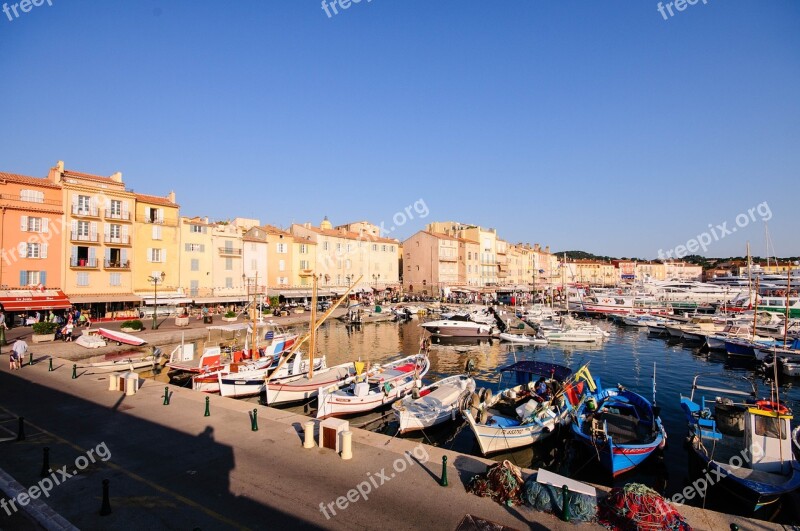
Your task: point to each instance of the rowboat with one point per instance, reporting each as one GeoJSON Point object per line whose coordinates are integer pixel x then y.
{"type": "Point", "coordinates": [522, 339]}
{"type": "Point", "coordinates": [619, 426]}
{"type": "Point", "coordinates": [517, 416]}
{"type": "Point", "coordinates": [125, 363]}
{"type": "Point", "coordinates": [305, 387]}
{"type": "Point", "coordinates": [121, 337]}
{"type": "Point", "coordinates": [252, 382]}
{"type": "Point", "coordinates": [381, 386]}
{"type": "Point", "coordinates": [437, 403]}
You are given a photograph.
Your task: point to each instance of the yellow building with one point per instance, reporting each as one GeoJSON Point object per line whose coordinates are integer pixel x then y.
{"type": "Point", "coordinates": [97, 240]}
{"type": "Point", "coordinates": [304, 259]}
{"type": "Point", "coordinates": [156, 250]}
{"type": "Point", "coordinates": [227, 269]}
{"type": "Point", "coordinates": [469, 263]}
{"type": "Point", "coordinates": [196, 256]}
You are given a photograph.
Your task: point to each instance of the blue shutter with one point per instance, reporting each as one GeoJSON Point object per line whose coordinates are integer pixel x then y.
{"type": "Point", "coordinates": [92, 256]}
{"type": "Point", "coordinates": [124, 256]}
{"type": "Point", "coordinates": [23, 279]}
{"type": "Point", "coordinates": [43, 278]}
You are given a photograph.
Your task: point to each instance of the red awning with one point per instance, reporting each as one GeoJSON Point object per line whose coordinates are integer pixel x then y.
{"type": "Point", "coordinates": [21, 300]}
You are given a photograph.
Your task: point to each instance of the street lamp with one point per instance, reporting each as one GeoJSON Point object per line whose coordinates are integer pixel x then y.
{"type": "Point", "coordinates": [155, 280]}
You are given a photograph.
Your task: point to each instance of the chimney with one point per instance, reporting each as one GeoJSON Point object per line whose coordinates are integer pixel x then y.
{"type": "Point", "coordinates": [547, 249]}
{"type": "Point", "coordinates": [116, 177]}
{"type": "Point", "coordinates": [205, 220]}
{"type": "Point", "coordinates": [171, 197]}
{"type": "Point", "coordinates": [56, 171]}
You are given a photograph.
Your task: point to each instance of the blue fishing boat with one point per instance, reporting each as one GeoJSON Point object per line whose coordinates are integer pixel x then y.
{"type": "Point", "coordinates": [744, 444]}
{"type": "Point", "coordinates": [621, 427]}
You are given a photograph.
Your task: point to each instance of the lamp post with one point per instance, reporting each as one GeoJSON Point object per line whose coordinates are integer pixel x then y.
{"type": "Point", "coordinates": [155, 280]}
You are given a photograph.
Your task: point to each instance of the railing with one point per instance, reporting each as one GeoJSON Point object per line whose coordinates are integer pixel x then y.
{"type": "Point", "coordinates": [78, 210]}
{"type": "Point", "coordinates": [77, 237]}
{"type": "Point", "coordinates": [124, 216]}
{"type": "Point", "coordinates": [120, 240]}
{"type": "Point", "coordinates": [230, 251]}
{"type": "Point", "coordinates": [443, 258]}
{"type": "Point", "coordinates": [83, 262]}
{"type": "Point", "coordinates": [111, 264]}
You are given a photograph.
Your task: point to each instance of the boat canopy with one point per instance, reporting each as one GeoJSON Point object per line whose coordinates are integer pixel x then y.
{"type": "Point", "coordinates": [538, 368]}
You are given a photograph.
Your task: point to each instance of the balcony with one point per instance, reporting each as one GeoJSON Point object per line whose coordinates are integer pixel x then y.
{"type": "Point", "coordinates": [111, 264]}
{"type": "Point", "coordinates": [229, 251]}
{"type": "Point", "coordinates": [83, 263]}
{"type": "Point", "coordinates": [120, 216]}
{"type": "Point", "coordinates": [78, 237]}
{"type": "Point", "coordinates": [117, 240]}
{"type": "Point", "coordinates": [443, 258]}
{"type": "Point", "coordinates": [86, 212]}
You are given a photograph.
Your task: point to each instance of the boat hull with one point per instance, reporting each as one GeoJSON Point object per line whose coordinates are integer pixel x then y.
{"type": "Point", "coordinates": [121, 337]}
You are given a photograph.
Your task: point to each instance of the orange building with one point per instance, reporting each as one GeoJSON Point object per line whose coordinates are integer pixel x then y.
{"type": "Point", "coordinates": [31, 223]}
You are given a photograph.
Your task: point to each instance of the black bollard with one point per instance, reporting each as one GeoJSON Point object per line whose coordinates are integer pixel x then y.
{"type": "Point", "coordinates": [565, 503]}
{"type": "Point", "coordinates": [105, 509]}
{"type": "Point", "coordinates": [208, 411]}
{"type": "Point", "coordinates": [30, 359]}
{"type": "Point", "coordinates": [74, 371]}
{"type": "Point", "coordinates": [254, 420]}
{"type": "Point", "coordinates": [50, 367]}
{"type": "Point", "coordinates": [45, 463]}
{"type": "Point", "coordinates": [166, 396]}
{"type": "Point", "coordinates": [443, 482]}
{"type": "Point", "coordinates": [21, 429]}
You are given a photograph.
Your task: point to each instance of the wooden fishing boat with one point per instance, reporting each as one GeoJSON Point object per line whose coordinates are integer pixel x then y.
{"type": "Point", "coordinates": [437, 403]}
{"type": "Point", "coordinates": [125, 363]}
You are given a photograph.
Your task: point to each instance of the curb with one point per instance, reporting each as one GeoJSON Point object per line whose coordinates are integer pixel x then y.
{"type": "Point", "coordinates": [36, 510]}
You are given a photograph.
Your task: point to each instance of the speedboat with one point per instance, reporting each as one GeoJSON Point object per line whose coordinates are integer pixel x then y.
{"type": "Point", "coordinates": [457, 328]}
{"type": "Point", "coordinates": [437, 403]}
{"type": "Point", "coordinates": [744, 443]}
{"type": "Point", "coordinates": [522, 339]}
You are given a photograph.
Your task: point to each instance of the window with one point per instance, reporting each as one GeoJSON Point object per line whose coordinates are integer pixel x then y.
{"type": "Point", "coordinates": [83, 278]}
{"type": "Point", "coordinates": [391, 248]}
{"type": "Point", "coordinates": [156, 232]}
{"type": "Point", "coordinates": [281, 248]}
{"type": "Point", "coordinates": [197, 229]}
{"type": "Point", "coordinates": [34, 250]}
{"type": "Point", "coordinates": [229, 264]}
{"type": "Point", "coordinates": [115, 279]}
{"type": "Point", "coordinates": [195, 264]}
{"type": "Point", "coordinates": [83, 229]}
{"type": "Point", "coordinates": [115, 210]}
{"type": "Point", "coordinates": [154, 215]}
{"type": "Point", "coordinates": [304, 264]}
{"type": "Point", "coordinates": [83, 204]}
{"type": "Point", "coordinates": [31, 224]}
{"type": "Point", "coordinates": [349, 247]}
{"type": "Point", "coordinates": [303, 248]}
{"type": "Point", "coordinates": [324, 246]}
{"type": "Point", "coordinates": [770, 427]}
{"type": "Point", "coordinates": [281, 265]}
{"type": "Point", "coordinates": [115, 231]}
{"type": "Point", "coordinates": [383, 248]}
{"type": "Point", "coordinates": [195, 247]}
{"type": "Point", "coordinates": [253, 264]}
{"type": "Point", "coordinates": [156, 255]}
{"type": "Point", "coordinates": [375, 247]}
{"type": "Point", "coordinates": [283, 281]}
{"type": "Point", "coordinates": [194, 288]}
{"type": "Point", "coordinates": [253, 247]}
{"type": "Point", "coordinates": [31, 278]}
{"type": "Point", "coordinates": [347, 264]}
{"type": "Point", "coordinates": [338, 247]}
{"type": "Point", "coordinates": [31, 196]}
{"type": "Point", "coordinates": [229, 282]}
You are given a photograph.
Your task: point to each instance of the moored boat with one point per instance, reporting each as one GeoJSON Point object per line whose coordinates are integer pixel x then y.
{"type": "Point", "coordinates": [522, 339]}
{"type": "Point", "coordinates": [124, 363]}
{"type": "Point", "coordinates": [437, 403]}
{"type": "Point", "coordinates": [121, 337]}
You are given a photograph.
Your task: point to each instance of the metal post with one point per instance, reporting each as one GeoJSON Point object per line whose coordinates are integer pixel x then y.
{"type": "Point", "coordinates": [166, 396]}
{"type": "Point", "coordinates": [105, 508]}
{"type": "Point", "coordinates": [155, 304]}
{"type": "Point", "coordinates": [50, 367]}
{"type": "Point", "coordinates": [443, 482]}
{"type": "Point", "coordinates": [208, 412]}
{"type": "Point", "coordinates": [254, 420]}
{"type": "Point", "coordinates": [45, 463]}
{"type": "Point", "coordinates": [30, 359]}
{"type": "Point", "coordinates": [74, 371]}
{"type": "Point", "coordinates": [21, 429]}
{"type": "Point", "coordinates": [565, 503]}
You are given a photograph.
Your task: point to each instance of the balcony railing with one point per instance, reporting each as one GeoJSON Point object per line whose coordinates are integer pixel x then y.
{"type": "Point", "coordinates": [78, 237]}
{"type": "Point", "coordinates": [116, 264]}
{"type": "Point", "coordinates": [443, 258]}
{"type": "Point", "coordinates": [119, 240]}
{"type": "Point", "coordinates": [229, 251]}
{"type": "Point", "coordinates": [78, 210]}
{"type": "Point", "coordinates": [86, 263]}
{"type": "Point", "coordinates": [122, 216]}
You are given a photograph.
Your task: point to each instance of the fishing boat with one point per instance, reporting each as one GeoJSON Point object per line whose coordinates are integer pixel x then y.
{"type": "Point", "coordinates": [125, 363]}
{"type": "Point", "coordinates": [744, 445]}
{"type": "Point", "coordinates": [518, 416]}
{"type": "Point", "coordinates": [642, 320]}
{"type": "Point", "coordinates": [620, 427]}
{"type": "Point", "coordinates": [381, 386]}
{"type": "Point", "coordinates": [121, 337]}
{"type": "Point", "coordinates": [252, 381]}
{"type": "Point", "coordinates": [437, 403]}
{"type": "Point", "coordinates": [522, 339]}
{"type": "Point", "coordinates": [735, 331]}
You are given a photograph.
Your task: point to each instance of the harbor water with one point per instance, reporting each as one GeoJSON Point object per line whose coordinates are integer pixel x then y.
{"type": "Point", "coordinates": [627, 357]}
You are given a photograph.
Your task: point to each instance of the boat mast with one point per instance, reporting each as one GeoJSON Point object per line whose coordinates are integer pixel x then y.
{"type": "Point", "coordinates": [788, 290]}
{"type": "Point", "coordinates": [253, 319]}
{"type": "Point", "coordinates": [749, 276]}
{"type": "Point", "coordinates": [755, 309]}
{"type": "Point", "coordinates": [313, 339]}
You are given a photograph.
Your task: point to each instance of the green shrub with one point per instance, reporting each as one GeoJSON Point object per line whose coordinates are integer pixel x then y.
{"type": "Point", "coordinates": [274, 302]}
{"type": "Point", "coordinates": [133, 325]}
{"type": "Point", "coordinates": [43, 329]}
{"type": "Point", "coordinates": [230, 314]}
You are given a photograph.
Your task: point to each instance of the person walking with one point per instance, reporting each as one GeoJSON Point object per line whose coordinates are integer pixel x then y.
{"type": "Point", "coordinates": [17, 353]}
{"type": "Point", "coordinates": [3, 328]}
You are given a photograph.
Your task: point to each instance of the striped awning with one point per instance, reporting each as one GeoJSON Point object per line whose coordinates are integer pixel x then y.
{"type": "Point", "coordinates": [30, 300]}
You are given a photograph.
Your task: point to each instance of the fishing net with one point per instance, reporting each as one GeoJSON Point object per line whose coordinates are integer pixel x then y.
{"type": "Point", "coordinates": [502, 482]}
{"type": "Point", "coordinates": [636, 507]}
{"type": "Point", "coordinates": [550, 499]}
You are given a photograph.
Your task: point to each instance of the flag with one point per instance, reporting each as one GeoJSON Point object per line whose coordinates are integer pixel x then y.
{"type": "Point", "coordinates": [574, 392]}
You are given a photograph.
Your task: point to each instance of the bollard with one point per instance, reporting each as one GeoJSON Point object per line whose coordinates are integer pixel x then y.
{"type": "Point", "coordinates": [166, 396]}
{"type": "Point", "coordinates": [443, 482]}
{"type": "Point", "coordinates": [565, 503]}
{"type": "Point", "coordinates": [30, 359]}
{"type": "Point", "coordinates": [74, 371]}
{"type": "Point", "coordinates": [347, 445]}
{"type": "Point", "coordinates": [21, 429]}
{"type": "Point", "coordinates": [254, 420]}
{"type": "Point", "coordinates": [105, 509]}
{"type": "Point", "coordinates": [308, 441]}
{"type": "Point", "coordinates": [50, 367]}
{"type": "Point", "coordinates": [734, 527]}
{"type": "Point", "coordinates": [45, 463]}
{"type": "Point", "coordinates": [208, 411]}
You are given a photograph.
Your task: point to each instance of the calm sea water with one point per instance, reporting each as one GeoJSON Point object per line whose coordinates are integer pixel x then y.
{"type": "Point", "coordinates": [627, 357]}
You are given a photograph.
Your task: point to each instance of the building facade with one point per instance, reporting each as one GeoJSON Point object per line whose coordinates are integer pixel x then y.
{"type": "Point", "coordinates": [157, 237]}
{"type": "Point", "coordinates": [195, 257]}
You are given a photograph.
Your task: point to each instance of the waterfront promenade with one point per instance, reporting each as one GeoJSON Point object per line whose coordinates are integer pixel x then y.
{"type": "Point", "coordinates": [171, 467]}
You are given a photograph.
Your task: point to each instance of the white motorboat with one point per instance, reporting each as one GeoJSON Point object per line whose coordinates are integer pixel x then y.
{"type": "Point", "coordinates": [124, 363]}
{"type": "Point", "coordinates": [522, 339]}
{"type": "Point", "coordinates": [381, 386]}
{"type": "Point", "coordinates": [437, 403]}
{"type": "Point", "coordinates": [737, 331]}
{"type": "Point", "coordinates": [253, 382]}
{"type": "Point", "coordinates": [457, 328]}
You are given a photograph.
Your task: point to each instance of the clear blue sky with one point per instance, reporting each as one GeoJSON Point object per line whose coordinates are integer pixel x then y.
{"type": "Point", "coordinates": [583, 125]}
